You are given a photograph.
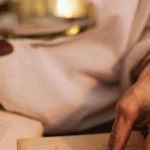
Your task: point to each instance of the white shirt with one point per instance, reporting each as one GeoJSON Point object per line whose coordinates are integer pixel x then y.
{"type": "Point", "coordinates": [73, 86]}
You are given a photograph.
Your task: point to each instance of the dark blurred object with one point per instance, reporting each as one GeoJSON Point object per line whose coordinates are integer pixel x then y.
{"type": "Point", "coordinates": [45, 18]}
{"type": "Point", "coordinates": [3, 7]}
{"type": "Point", "coordinates": [103, 128]}
{"type": "Point", "coordinates": [5, 48]}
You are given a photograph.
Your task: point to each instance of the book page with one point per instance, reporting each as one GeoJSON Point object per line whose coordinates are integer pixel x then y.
{"type": "Point", "coordinates": [82, 142]}
{"type": "Point", "coordinates": [13, 127]}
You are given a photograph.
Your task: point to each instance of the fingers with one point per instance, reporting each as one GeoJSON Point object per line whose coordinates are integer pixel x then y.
{"type": "Point", "coordinates": [127, 113]}
{"type": "Point", "coordinates": [120, 132]}
{"type": "Point", "coordinates": [147, 144]}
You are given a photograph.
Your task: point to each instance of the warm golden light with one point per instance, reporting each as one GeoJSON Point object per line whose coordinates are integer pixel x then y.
{"type": "Point", "coordinates": [73, 30]}
{"type": "Point", "coordinates": [63, 8]}
{"type": "Point", "coordinates": [69, 8]}
{"type": "Point", "coordinates": [47, 19]}
{"type": "Point", "coordinates": [39, 8]}
{"type": "Point", "coordinates": [57, 8]}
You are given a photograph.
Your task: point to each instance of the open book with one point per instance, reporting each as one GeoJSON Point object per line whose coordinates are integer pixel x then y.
{"type": "Point", "coordinates": [14, 127]}
{"type": "Point", "coordinates": [81, 142]}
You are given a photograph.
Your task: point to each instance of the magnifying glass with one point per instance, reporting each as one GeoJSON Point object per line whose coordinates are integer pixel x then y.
{"type": "Point", "coordinates": [45, 19]}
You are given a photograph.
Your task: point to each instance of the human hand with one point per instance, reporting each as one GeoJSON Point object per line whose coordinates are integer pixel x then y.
{"type": "Point", "coordinates": [132, 109]}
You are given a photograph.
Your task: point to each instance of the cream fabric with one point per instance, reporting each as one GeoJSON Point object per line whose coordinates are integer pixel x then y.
{"type": "Point", "coordinates": [74, 85]}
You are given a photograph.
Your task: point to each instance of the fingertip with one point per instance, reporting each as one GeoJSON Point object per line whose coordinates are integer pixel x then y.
{"type": "Point", "coordinates": [120, 133]}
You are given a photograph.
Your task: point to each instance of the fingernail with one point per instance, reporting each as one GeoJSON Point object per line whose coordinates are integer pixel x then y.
{"type": "Point", "coordinates": [5, 48]}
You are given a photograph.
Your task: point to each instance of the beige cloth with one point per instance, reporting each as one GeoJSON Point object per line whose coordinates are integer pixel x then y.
{"type": "Point", "coordinates": [74, 85]}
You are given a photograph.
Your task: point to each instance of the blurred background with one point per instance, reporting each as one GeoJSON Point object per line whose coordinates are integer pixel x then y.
{"type": "Point", "coordinates": [45, 18]}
